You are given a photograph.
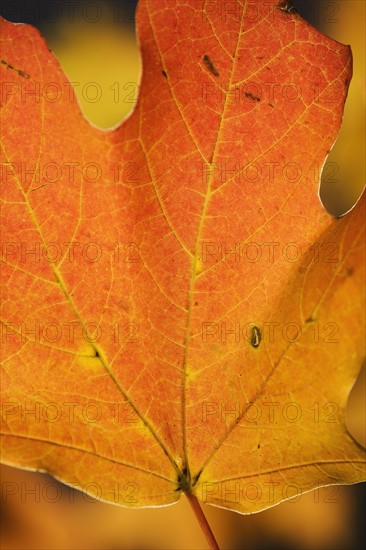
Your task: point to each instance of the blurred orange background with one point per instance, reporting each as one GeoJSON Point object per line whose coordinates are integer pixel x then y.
{"type": "Point", "coordinates": [33, 517]}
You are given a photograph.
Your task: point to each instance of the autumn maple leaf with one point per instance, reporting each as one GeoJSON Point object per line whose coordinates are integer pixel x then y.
{"type": "Point", "coordinates": [180, 312]}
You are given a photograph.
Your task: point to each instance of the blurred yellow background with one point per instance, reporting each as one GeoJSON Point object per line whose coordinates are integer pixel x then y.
{"type": "Point", "coordinates": [105, 52]}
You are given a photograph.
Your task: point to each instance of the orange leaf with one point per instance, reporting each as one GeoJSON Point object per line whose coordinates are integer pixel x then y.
{"type": "Point", "coordinates": [180, 313]}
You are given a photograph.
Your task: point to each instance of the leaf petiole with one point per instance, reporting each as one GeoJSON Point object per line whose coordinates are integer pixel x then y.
{"type": "Point", "coordinates": [201, 518]}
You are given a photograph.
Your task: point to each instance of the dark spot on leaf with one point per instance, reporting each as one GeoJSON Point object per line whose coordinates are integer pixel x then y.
{"type": "Point", "coordinates": [256, 337]}
{"type": "Point", "coordinates": [259, 446]}
{"type": "Point", "coordinates": [349, 271]}
{"type": "Point", "coordinates": [251, 96]}
{"type": "Point", "coordinates": [270, 104]}
{"type": "Point", "coordinates": [19, 71]}
{"type": "Point", "coordinates": [207, 61]}
{"type": "Point", "coordinates": [196, 303]}
{"type": "Point", "coordinates": [310, 319]}
{"type": "Point", "coordinates": [96, 353]}
{"type": "Point", "coordinates": [287, 6]}
{"type": "Point", "coordinates": [164, 74]}
{"type": "Point", "coordinates": [40, 187]}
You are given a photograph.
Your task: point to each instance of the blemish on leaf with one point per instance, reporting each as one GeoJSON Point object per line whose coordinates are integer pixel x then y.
{"type": "Point", "coordinates": [207, 61]}
{"type": "Point", "coordinates": [270, 104]}
{"type": "Point", "coordinates": [251, 96]}
{"type": "Point", "coordinates": [19, 71]}
{"type": "Point", "coordinates": [256, 337]}
{"type": "Point", "coordinates": [287, 6]}
{"type": "Point", "coordinates": [164, 74]}
{"type": "Point", "coordinates": [40, 187]}
{"type": "Point", "coordinates": [258, 446]}
{"type": "Point", "coordinates": [310, 319]}
{"type": "Point", "coordinates": [89, 357]}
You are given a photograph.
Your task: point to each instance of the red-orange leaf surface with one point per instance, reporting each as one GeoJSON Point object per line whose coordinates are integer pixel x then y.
{"type": "Point", "coordinates": [180, 312]}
